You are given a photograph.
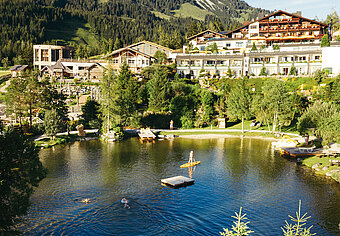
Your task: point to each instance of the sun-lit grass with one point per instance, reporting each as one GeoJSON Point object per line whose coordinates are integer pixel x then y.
{"type": "Point", "coordinates": [72, 30]}
{"type": "Point", "coordinates": [189, 10]}
{"type": "Point", "coordinates": [161, 15]}
{"type": "Point", "coordinates": [4, 72]}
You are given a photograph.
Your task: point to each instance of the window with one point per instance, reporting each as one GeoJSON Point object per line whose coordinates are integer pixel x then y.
{"type": "Point", "coordinates": [115, 61]}
{"type": "Point", "coordinates": [202, 48]}
{"type": "Point", "coordinates": [131, 61]}
{"type": "Point", "coordinates": [227, 45]}
{"type": "Point", "coordinates": [253, 27]}
{"type": "Point", "coordinates": [55, 54]}
{"type": "Point", "coordinates": [317, 58]}
{"type": "Point", "coordinates": [44, 54]}
{"type": "Point", "coordinates": [239, 44]}
{"type": "Point", "coordinates": [36, 53]}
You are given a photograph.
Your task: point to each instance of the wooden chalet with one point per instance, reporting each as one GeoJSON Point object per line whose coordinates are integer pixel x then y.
{"type": "Point", "coordinates": [150, 48]}
{"type": "Point", "coordinates": [205, 36]}
{"type": "Point", "coordinates": [280, 27]}
{"type": "Point", "coordinates": [134, 58]}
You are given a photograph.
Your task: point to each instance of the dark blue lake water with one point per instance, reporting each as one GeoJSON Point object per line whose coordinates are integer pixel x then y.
{"type": "Point", "coordinates": [233, 173]}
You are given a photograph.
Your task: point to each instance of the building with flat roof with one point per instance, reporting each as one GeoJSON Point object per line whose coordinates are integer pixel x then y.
{"type": "Point", "coordinates": [48, 55]}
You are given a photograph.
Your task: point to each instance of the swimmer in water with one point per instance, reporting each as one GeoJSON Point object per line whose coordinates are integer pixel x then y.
{"type": "Point", "coordinates": [125, 202]}
{"type": "Point", "coordinates": [86, 200]}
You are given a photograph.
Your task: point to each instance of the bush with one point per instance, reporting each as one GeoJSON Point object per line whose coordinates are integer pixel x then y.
{"type": "Point", "coordinates": [187, 122]}
{"type": "Point", "coordinates": [159, 120]}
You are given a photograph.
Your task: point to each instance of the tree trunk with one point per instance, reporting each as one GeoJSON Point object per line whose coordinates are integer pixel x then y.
{"type": "Point", "coordinates": [242, 124]}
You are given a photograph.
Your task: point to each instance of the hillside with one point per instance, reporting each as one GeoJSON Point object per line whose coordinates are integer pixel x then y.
{"type": "Point", "coordinates": [98, 26]}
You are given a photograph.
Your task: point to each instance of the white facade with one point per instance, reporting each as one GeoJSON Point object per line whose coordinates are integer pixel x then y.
{"type": "Point", "coordinates": [331, 59]}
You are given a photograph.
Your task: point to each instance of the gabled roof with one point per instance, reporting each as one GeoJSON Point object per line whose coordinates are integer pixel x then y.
{"type": "Point", "coordinates": [128, 49]}
{"type": "Point", "coordinates": [57, 67]}
{"type": "Point", "coordinates": [205, 31]}
{"type": "Point", "coordinates": [18, 67]}
{"type": "Point", "coordinates": [274, 14]}
{"type": "Point", "coordinates": [94, 65]}
{"type": "Point", "coordinates": [151, 43]}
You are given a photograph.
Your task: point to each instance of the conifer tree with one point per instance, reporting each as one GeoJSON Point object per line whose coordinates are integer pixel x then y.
{"type": "Point", "coordinates": [159, 90]}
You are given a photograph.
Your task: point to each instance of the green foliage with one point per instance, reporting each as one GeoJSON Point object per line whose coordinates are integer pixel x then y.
{"type": "Point", "coordinates": [319, 76]}
{"type": "Point", "coordinates": [254, 48]}
{"type": "Point", "coordinates": [52, 122]}
{"type": "Point", "coordinates": [159, 120]}
{"type": "Point", "coordinates": [91, 114]}
{"type": "Point", "coordinates": [229, 72]}
{"type": "Point", "coordinates": [337, 38]}
{"type": "Point", "coordinates": [159, 98]}
{"type": "Point", "coordinates": [325, 41]}
{"type": "Point", "coordinates": [276, 47]}
{"type": "Point", "coordinates": [292, 71]}
{"type": "Point", "coordinates": [240, 228]}
{"type": "Point", "coordinates": [124, 97]}
{"type": "Point", "coordinates": [187, 121]}
{"type": "Point", "coordinates": [212, 48]}
{"type": "Point", "coordinates": [206, 109]}
{"type": "Point", "coordinates": [316, 115]}
{"type": "Point", "coordinates": [334, 17]}
{"type": "Point", "coordinates": [20, 171]}
{"type": "Point", "coordinates": [329, 129]}
{"type": "Point", "coordinates": [298, 228]}
{"type": "Point", "coordinates": [160, 57]}
{"type": "Point", "coordinates": [274, 105]}
{"type": "Point", "coordinates": [239, 101]}
{"type": "Point", "coordinates": [263, 71]}
{"type": "Point", "coordinates": [26, 95]}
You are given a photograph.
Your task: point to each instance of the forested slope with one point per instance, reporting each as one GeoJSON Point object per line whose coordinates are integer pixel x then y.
{"type": "Point", "coordinates": [98, 26]}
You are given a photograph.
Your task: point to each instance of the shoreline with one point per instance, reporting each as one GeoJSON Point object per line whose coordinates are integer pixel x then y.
{"type": "Point", "coordinates": [210, 136]}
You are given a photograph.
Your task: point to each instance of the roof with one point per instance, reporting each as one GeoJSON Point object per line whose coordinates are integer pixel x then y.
{"type": "Point", "coordinates": [151, 43]}
{"type": "Point", "coordinates": [129, 49]}
{"type": "Point", "coordinates": [94, 65]}
{"type": "Point", "coordinates": [273, 14]}
{"type": "Point", "coordinates": [57, 67]}
{"type": "Point", "coordinates": [18, 67]}
{"type": "Point", "coordinates": [205, 31]}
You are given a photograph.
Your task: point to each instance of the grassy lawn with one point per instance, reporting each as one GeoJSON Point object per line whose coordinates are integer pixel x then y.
{"type": "Point", "coordinates": [324, 161]}
{"type": "Point", "coordinates": [189, 10]}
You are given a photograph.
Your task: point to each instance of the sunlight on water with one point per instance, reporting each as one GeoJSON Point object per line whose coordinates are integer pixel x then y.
{"type": "Point", "coordinates": [233, 173]}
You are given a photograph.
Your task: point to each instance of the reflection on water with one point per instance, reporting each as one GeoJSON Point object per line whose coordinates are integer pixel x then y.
{"type": "Point", "coordinates": [233, 172]}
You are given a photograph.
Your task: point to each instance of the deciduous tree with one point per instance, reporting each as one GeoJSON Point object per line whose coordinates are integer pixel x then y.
{"type": "Point", "coordinates": [239, 101]}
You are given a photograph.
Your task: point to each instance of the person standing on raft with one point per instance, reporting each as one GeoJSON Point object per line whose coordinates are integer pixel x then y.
{"type": "Point", "coordinates": [191, 157]}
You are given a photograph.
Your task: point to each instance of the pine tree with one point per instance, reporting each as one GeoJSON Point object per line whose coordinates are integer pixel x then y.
{"type": "Point", "coordinates": [159, 90]}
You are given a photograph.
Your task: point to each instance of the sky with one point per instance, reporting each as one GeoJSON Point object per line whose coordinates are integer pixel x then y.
{"type": "Point", "coordinates": [309, 8]}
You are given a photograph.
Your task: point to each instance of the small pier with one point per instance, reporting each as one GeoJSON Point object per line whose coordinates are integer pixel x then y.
{"type": "Point", "coordinates": [146, 135]}
{"type": "Point", "coordinates": [178, 181]}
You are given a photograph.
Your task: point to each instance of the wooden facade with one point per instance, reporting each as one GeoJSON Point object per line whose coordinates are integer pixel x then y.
{"type": "Point", "coordinates": [279, 27]}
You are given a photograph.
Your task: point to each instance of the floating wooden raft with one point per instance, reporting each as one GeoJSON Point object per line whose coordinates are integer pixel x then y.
{"type": "Point", "coordinates": [146, 134]}
{"type": "Point", "coordinates": [178, 181]}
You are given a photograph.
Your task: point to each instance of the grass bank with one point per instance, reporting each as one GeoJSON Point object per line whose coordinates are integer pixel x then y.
{"type": "Point", "coordinates": [49, 142]}
{"type": "Point", "coordinates": [322, 163]}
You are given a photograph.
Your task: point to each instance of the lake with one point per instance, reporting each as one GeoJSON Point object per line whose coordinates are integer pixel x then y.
{"type": "Point", "coordinates": [234, 173]}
